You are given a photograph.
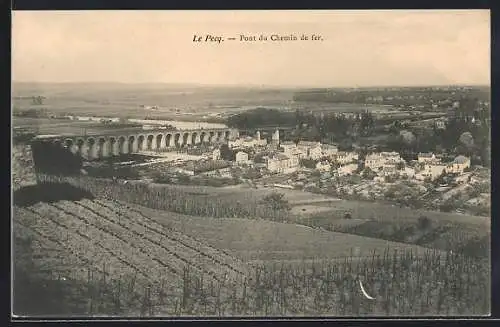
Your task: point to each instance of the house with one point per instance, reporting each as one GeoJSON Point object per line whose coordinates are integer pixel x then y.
{"type": "Point", "coordinates": [376, 161]}
{"type": "Point", "coordinates": [310, 150]}
{"type": "Point", "coordinates": [344, 158]}
{"type": "Point", "coordinates": [389, 170]}
{"type": "Point", "coordinates": [391, 157]}
{"type": "Point", "coordinates": [328, 150]}
{"type": "Point", "coordinates": [216, 154]}
{"type": "Point", "coordinates": [458, 165]}
{"type": "Point", "coordinates": [288, 147]}
{"type": "Point", "coordinates": [241, 157]}
{"type": "Point", "coordinates": [347, 169]}
{"type": "Point", "coordinates": [407, 172]}
{"type": "Point", "coordinates": [426, 157]}
{"type": "Point", "coordinates": [190, 171]}
{"type": "Point", "coordinates": [431, 171]}
{"type": "Point", "coordinates": [209, 168]}
{"type": "Point", "coordinates": [440, 124]}
{"type": "Point", "coordinates": [283, 164]}
{"type": "Point", "coordinates": [247, 142]}
{"type": "Point", "coordinates": [221, 172]}
{"type": "Point", "coordinates": [323, 166]}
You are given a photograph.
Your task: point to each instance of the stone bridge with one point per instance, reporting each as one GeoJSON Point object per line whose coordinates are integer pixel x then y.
{"type": "Point", "coordinates": [93, 147]}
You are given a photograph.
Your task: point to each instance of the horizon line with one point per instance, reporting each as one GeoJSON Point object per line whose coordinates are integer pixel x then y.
{"type": "Point", "coordinates": [259, 85]}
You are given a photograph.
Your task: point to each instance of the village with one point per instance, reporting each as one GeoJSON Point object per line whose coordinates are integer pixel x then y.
{"type": "Point", "coordinates": [432, 181]}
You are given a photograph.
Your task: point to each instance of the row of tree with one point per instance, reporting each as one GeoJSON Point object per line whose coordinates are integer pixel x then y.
{"type": "Point", "coordinates": [403, 96]}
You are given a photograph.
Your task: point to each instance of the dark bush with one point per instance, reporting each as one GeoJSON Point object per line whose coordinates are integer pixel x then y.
{"type": "Point", "coordinates": [48, 192]}
{"type": "Point", "coordinates": [424, 222]}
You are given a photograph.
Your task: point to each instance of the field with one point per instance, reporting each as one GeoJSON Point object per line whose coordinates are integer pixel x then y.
{"type": "Point", "coordinates": [266, 240]}
{"type": "Point", "coordinates": [433, 229]}
{"type": "Point", "coordinates": [119, 100]}
{"type": "Point", "coordinates": [194, 102]}
{"type": "Point", "coordinates": [103, 248]}
{"type": "Point", "coordinates": [135, 260]}
{"type": "Point", "coordinates": [107, 238]}
{"type": "Point", "coordinates": [69, 127]}
{"type": "Point", "coordinates": [363, 210]}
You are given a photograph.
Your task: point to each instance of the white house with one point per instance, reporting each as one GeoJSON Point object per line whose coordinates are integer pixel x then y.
{"type": "Point", "coordinates": [431, 171]}
{"type": "Point", "coordinates": [348, 169]}
{"type": "Point", "coordinates": [426, 157]}
{"type": "Point", "coordinates": [288, 146]}
{"type": "Point", "coordinates": [376, 161]}
{"type": "Point", "coordinates": [241, 157]}
{"type": "Point", "coordinates": [186, 170]}
{"type": "Point", "coordinates": [283, 164]}
{"type": "Point", "coordinates": [391, 157]}
{"type": "Point", "coordinates": [323, 166]}
{"type": "Point", "coordinates": [221, 172]}
{"type": "Point", "coordinates": [407, 172]}
{"type": "Point", "coordinates": [344, 158]}
{"type": "Point", "coordinates": [247, 142]}
{"type": "Point", "coordinates": [389, 170]}
{"type": "Point", "coordinates": [328, 150]}
{"type": "Point", "coordinates": [458, 165]}
{"type": "Point", "coordinates": [216, 154]}
{"type": "Point", "coordinates": [440, 124]}
{"type": "Point", "coordinates": [310, 150]}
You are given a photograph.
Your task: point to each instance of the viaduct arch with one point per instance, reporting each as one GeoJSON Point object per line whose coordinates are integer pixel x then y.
{"type": "Point", "coordinates": [94, 147]}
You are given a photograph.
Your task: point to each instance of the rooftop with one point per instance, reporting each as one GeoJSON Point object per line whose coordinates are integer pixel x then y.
{"type": "Point", "coordinates": [279, 156]}
{"type": "Point", "coordinates": [461, 160]}
{"type": "Point", "coordinates": [308, 143]}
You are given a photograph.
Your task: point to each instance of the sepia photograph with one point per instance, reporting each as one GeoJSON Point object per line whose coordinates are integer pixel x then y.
{"type": "Point", "coordinates": [251, 164]}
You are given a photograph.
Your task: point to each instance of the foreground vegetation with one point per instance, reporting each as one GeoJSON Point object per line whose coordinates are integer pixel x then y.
{"type": "Point", "coordinates": [385, 222]}
{"type": "Point", "coordinates": [174, 200]}
{"type": "Point", "coordinates": [401, 283]}
{"type": "Point", "coordinates": [92, 256]}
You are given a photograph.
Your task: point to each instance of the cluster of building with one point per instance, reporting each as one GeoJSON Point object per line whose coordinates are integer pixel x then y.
{"type": "Point", "coordinates": [432, 167]}
{"type": "Point", "coordinates": [286, 158]}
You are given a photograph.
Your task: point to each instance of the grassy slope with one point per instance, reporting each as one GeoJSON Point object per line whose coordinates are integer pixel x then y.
{"type": "Point", "coordinates": [447, 231]}
{"type": "Point", "coordinates": [265, 240]}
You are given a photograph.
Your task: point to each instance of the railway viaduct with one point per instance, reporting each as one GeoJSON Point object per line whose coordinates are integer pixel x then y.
{"type": "Point", "coordinates": [94, 147]}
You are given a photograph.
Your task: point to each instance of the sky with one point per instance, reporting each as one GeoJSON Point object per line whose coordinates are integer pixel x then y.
{"type": "Point", "coordinates": [358, 48]}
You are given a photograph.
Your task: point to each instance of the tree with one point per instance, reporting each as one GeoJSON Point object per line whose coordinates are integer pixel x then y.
{"type": "Point", "coordinates": [407, 137]}
{"type": "Point", "coordinates": [37, 100]}
{"type": "Point", "coordinates": [367, 123]}
{"type": "Point", "coordinates": [368, 173]}
{"type": "Point", "coordinates": [308, 163]}
{"type": "Point", "coordinates": [276, 201]}
{"type": "Point", "coordinates": [226, 153]}
{"type": "Point", "coordinates": [424, 223]}
{"type": "Point", "coordinates": [345, 145]}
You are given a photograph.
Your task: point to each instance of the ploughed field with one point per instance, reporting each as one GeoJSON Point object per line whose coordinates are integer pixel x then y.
{"type": "Point", "coordinates": [131, 260]}
{"type": "Point", "coordinates": [104, 237]}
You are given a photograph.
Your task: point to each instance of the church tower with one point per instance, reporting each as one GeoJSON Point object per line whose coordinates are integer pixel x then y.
{"type": "Point", "coordinates": [276, 138]}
